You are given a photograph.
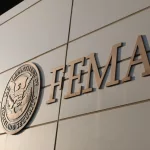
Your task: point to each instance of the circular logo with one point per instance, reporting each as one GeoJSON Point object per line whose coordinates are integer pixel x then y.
{"type": "Point", "coordinates": [20, 98]}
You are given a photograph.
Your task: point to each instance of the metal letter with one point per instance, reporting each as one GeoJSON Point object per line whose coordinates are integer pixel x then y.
{"type": "Point", "coordinates": [73, 77]}
{"type": "Point", "coordinates": [99, 78]}
{"type": "Point", "coordinates": [54, 84]}
{"type": "Point", "coordinates": [144, 59]}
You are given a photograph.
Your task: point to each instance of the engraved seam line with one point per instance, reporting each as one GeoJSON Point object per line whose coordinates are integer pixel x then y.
{"type": "Point", "coordinates": [114, 22]}
{"type": "Point", "coordinates": [67, 47]}
{"type": "Point", "coordinates": [34, 126]}
{"type": "Point", "coordinates": [107, 109]}
{"type": "Point", "coordinates": [89, 113]}
{"type": "Point", "coordinates": [20, 12]}
{"type": "Point", "coordinates": [32, 58]}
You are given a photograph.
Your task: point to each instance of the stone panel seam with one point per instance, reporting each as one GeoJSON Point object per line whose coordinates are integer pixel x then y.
{"type": "Point", "coordinates": [20, 13]}
{"type": "Point", "coordinates": [70, 21]}
{"type": "Point", "coordinates": [107, 109]}
{"type": "Point", "coordinates": [32, 58]}
{"type": "Point", "coordinates": [71, 41]}
{"type": "Point", "coordinates": [107, 25]}
{"type": "Point", "coordinates": [34, 126]}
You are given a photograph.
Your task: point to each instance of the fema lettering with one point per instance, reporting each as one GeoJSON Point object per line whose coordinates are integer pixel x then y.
{"type": "Point", "coordinates": [92, 66]}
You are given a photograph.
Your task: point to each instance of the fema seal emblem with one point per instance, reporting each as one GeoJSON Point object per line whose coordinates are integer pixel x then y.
{"type": "Point", "coordinates": [20, 98]}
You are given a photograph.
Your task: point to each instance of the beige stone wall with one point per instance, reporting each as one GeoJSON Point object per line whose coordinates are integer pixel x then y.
{"type": "Point", "coordinates": [51, 33]}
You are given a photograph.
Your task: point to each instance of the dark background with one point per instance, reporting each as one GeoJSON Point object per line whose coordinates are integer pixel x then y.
{"type": "Point", "coordinates": [5, 5]}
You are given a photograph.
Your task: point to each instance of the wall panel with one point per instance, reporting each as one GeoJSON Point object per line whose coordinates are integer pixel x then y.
{"type": "Point", "coordinates": [101, 42]}
{"type": "Point", "coordinates": [33, 32]}
{"type": "Point", "coordinates": [125, 128]}
{"type": "Point", "coordinates": [38, 138]}
{"type": "Point", "coordinates": [90, 15]}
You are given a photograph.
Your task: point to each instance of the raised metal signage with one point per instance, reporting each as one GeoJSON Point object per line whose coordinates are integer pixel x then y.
{"type": "Point", "coordinates": [22, 91]}
{"type": "Point", "coordinates": [20, 98]}
{"type": "Point", "coordinates": [139, 50]}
